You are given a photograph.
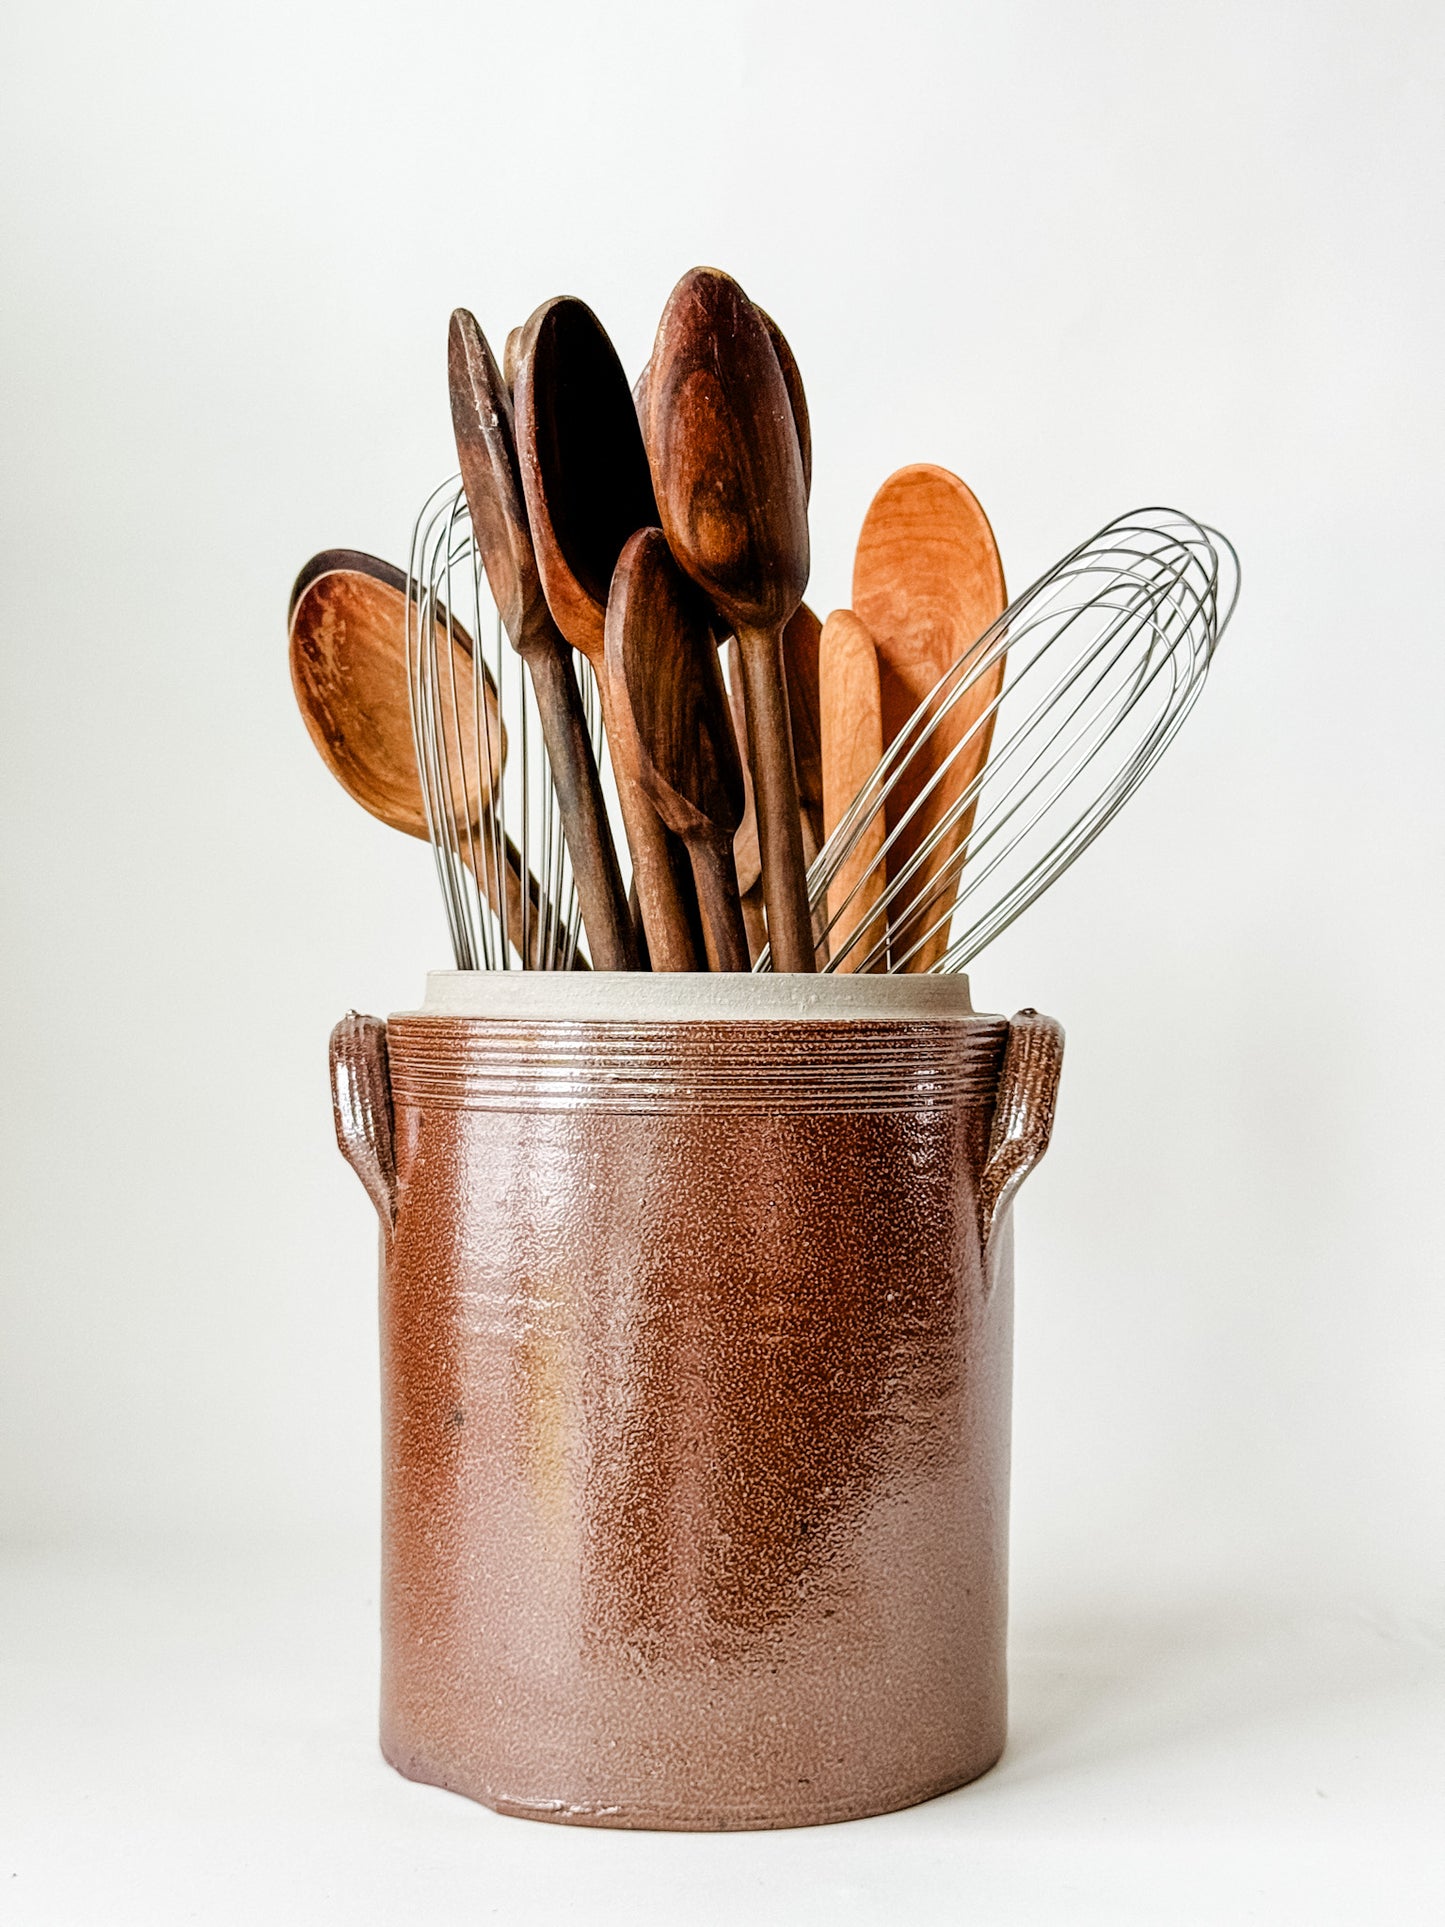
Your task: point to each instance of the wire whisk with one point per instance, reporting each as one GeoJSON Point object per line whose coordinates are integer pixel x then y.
{"type": "Point", "coordinates": [491, 807]}
{"type": "Point", "coordinates": [1104, 657]}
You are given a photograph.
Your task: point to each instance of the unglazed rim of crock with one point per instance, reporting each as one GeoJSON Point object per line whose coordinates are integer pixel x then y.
{"type": "Point", "coordinates": [618, 996]}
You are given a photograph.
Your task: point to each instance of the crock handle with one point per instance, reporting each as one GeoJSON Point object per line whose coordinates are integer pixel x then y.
{"type": "Point", "coordinates": [361, 1102]}
{"type": "Point", "coordinates": [1023, 1115]}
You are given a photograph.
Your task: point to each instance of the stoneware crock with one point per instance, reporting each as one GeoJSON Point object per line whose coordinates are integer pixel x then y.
{"type": "Point", "coordinates": [696, 1305]}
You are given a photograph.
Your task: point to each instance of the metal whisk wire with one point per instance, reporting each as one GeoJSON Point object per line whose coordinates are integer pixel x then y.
{"type": "Point", "coordinates": [509, 904]}
{"type": "Point", "coordinates": [1105, 655]}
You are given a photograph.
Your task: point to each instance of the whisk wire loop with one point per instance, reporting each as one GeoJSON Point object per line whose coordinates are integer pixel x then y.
{"type": "Point", "coordinates": [1104, 656]}
{"type": "Point", "coordinates": [483, 771]}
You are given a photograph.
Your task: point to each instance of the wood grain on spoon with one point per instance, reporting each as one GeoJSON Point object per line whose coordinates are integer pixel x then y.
{"type": "Point", "coordinates": [510, 352]}
{"type": "Point", "coordinates": [800, 666]}
{"type": "Point", "coordinates": [747, 857]}
{"type": "Point", "coordinates": [486, 448]}
{"type": "Point", "coordinates": [800, 661]}
{"type": "Point", "coordinates": [662, 661]}
{"type": "Point", "coordinates": [927, 582]}
{"type": "Point", "coordinates": [588, 489]}
{"type": "Point", "coordinates": [792, 381]}
{"type": "Point", "coordinates": [797, 398]}
{"type": "Point", "coordinates": [852, 744]}
{"type": "Point", "coordinates": [730, 490]}
{"type": "Point", "coordinates": [349, 673]}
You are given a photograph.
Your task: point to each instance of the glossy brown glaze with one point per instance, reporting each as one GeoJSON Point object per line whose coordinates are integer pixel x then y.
{"type": "Point", "coordinates": [696, 1383]}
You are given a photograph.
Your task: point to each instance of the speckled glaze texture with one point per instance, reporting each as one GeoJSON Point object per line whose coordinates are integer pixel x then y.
{"type": "Point", "coordinates": [696, 1373]}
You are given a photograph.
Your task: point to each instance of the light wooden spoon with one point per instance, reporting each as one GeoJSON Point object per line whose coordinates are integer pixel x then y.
{"type": "Point", "coordinates": [852, 743]}
{"type": "Point", "coordinates": [348, 669]}
{"type": "Point", "coordinates": [927, 582]}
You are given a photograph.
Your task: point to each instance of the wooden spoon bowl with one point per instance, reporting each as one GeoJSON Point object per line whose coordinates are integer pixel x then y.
{"type": "Point", "coordinates": [348, 669]}
{"type": "Point", "coordinates": [927, 582]}
{"type": "Point", "coordinates": [588, 490]}
{"type": "Point", "coordinates": [662, 663]}
{"type": "Point", "coordinates": [487, 449]}
{"type": "Point", "coordinates": [733, 502]}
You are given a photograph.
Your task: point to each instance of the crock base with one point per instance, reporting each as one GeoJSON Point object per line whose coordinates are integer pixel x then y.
{"type": "Point", "coordinates": [657, 1819]}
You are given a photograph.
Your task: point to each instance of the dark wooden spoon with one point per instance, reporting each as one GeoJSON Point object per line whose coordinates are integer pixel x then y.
{"type": "Point", "coordinates": [347, 623]}
{"type": "Point", "coordinates": [800, 668]}
{"type": "Point", "coordinates": [730, 493]}
{"type": "Point", "coordinates": [509, 357]}
{"type": "Point", "coordinates": [800, 664]}
{"type": "Point", "coordinates": [797, 399]}
{"type": "Point", "coordinates": [792, 380]}
{"type": "Point", "coordinates": [588, 489]}
{"type": "Point", "coordinates": [662, 662]}
{"type": "Point", "coordinates": [486, 447]}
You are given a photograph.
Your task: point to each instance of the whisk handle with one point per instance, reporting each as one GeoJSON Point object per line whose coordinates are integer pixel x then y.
{"type": "Point", "coordinates": [361, 1105]}
{"type": "Point", "coordinates": [600, 889]}
{"type": "Point", "coordinates": [1023, 1116]}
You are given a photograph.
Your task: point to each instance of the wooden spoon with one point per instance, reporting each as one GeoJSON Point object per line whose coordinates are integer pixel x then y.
{"type": "Point", "coordinates": [800, 668]}
{"type": "Point", "coordinates": [510, 353]}
{"type": "Point", "coordinates": [927, 582]}
{"type": "Point", "coordinates": [797, 399]}
{"type": "Point", "coordinates": [800, 664]}
{"type": "Point", "coordinates": [587, 486]}
{"type": "Point", "coordinates": [730, 490]}
{"type": "Point", "coordinates": [348, 669]}
{"type": "Point", "coordinates": [852, 743]}
{"type": "Point", "coordinates": [792, 380]}
{"type": "Point", "coordinates": [663, 664]}
{"type": "Point", "coordinates": [482, 420]}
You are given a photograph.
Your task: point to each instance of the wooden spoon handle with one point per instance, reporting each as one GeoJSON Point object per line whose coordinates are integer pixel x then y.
{"type": "Point", "coordinates": [655, 874]}
{"type": "Point", "coordinates": [852, 744]}
{"type": "Point", "coordinates": [775, 794]}
{"type": "Point", "coordinates": [722, 910]}
{"type": "Point", "coordinates": [600, 889]}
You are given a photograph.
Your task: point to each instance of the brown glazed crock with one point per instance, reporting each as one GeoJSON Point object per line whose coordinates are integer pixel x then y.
{"type": "Point", "coordinates": [696, 1373]}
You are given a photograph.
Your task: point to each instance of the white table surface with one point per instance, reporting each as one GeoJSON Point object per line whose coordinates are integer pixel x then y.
{"type": "Point", "coordinates": [188, 1734]}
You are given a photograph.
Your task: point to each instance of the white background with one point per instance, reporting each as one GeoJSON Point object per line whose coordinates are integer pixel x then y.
{"type": "Point", "coordinates": [1091, 256]}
